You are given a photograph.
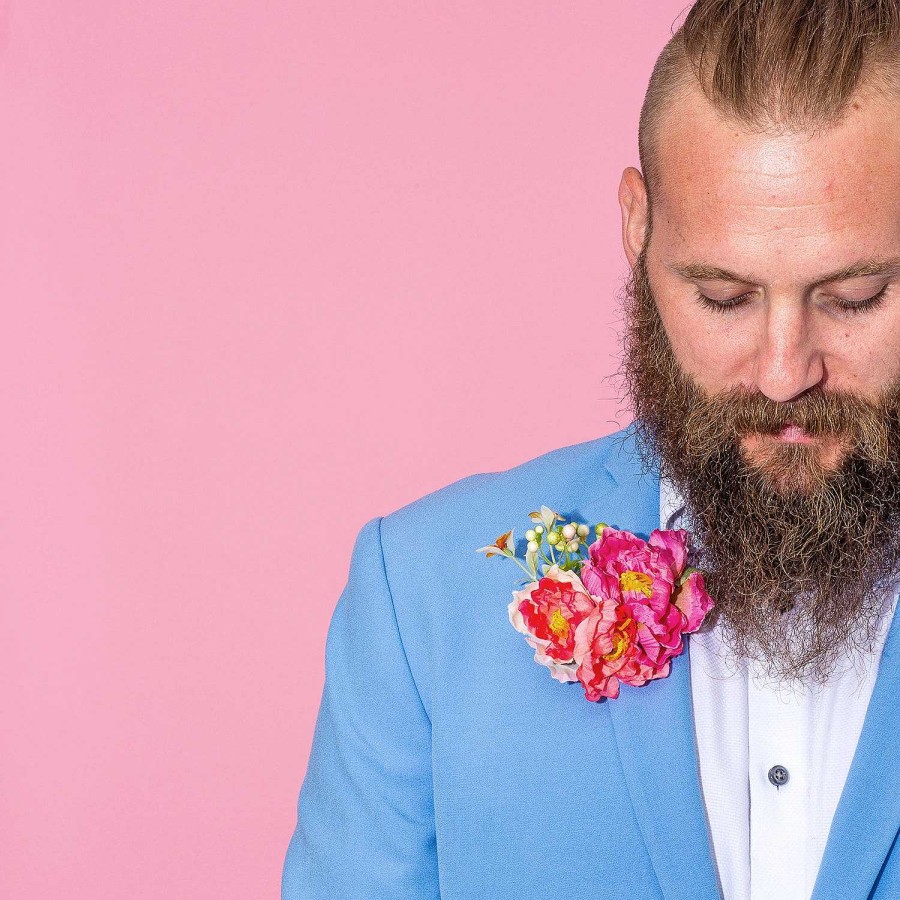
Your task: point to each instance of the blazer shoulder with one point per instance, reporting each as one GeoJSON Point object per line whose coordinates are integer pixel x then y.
{"type": "Point", "coordinates": [564, 478]}
{"type": "Point", "coordinates": [470, 493]}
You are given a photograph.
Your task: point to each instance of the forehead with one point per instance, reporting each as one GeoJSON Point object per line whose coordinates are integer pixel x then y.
{"type": "Point", "coordinates": [724, 191]}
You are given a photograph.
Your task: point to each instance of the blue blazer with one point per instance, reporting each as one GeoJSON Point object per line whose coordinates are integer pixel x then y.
{"type": "Point", "coordinates": [446, 763]}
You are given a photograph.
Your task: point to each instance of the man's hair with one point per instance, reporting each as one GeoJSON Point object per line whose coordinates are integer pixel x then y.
{"type": "Point", "coordinates": [771, 65]}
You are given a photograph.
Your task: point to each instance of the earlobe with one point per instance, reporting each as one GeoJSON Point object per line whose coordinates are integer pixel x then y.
{"type": "Point", "coordinates": [633, 204]}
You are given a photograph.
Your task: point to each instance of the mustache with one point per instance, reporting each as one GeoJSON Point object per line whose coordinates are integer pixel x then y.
{"type": "Point", "coordinates": [717, 421]}
{"type": "Point", "coordinates": [817, 412]}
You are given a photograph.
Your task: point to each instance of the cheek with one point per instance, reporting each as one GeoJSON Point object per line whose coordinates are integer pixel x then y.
{"type": "Point", "coordinates": [712, 349]}
{"type": "Point", "coordinates": [866, 356]}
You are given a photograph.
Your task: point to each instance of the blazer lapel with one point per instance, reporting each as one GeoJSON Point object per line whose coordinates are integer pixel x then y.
{"type": "Point", "coordinates": [867, 817]}
{"type": "Point", "coordinates": [654, 723]}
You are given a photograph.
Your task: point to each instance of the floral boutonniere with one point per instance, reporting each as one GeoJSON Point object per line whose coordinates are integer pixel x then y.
{"type": "Point", "coordinates": [606, 612]}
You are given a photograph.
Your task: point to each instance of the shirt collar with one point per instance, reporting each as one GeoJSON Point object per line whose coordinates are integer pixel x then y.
{"type": "Point", "coordinates": [672, 509]}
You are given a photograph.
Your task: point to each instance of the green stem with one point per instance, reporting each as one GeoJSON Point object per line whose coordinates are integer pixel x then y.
{"type": "Point", "coordinates": [531, 575]}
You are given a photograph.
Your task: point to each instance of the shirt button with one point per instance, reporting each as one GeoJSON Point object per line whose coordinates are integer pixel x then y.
{"type": "Point", "coordinates": [778, 775]}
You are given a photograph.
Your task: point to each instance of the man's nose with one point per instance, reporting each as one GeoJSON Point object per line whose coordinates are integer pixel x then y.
{"type": "Point", "coordinates": [789, 360]}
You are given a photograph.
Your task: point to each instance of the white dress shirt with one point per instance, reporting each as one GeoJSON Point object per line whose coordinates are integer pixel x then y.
{"type": "Point", "coordinates": [768, 840]}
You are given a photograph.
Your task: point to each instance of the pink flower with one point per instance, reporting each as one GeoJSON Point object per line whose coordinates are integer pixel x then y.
{"type": "Point", "coordinates": [653, 608]}
{"type": "Point", "coordinates": [607, 651]}
{"type": "Point", "coordinates": [547, 612]}
{"type": "Point", "coordinates": [619, 561]}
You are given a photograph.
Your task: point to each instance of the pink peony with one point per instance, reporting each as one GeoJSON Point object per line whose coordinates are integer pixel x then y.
{"type": "Point", "coordinates": [651, 609]}
{"type": "Point", "coordinates": [607, 651]}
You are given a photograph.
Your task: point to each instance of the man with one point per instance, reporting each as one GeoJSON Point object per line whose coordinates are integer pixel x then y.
{"type": "Point", "coordinates": [761, 359]}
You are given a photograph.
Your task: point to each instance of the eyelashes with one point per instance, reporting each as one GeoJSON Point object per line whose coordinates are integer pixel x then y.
{"type": "Point", "coordinates": [862, 305]}
{"type": "Point", "coordinates": [849, 306]}
{"type": "Point", "coordinates": [723, 306]}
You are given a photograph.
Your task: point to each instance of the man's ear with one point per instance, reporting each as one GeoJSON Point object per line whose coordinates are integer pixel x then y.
{"type": "Point", "coordinates": [633, 203]}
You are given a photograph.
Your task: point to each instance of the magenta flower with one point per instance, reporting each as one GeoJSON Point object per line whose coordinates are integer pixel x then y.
{"type": "Point", "coordinates": [654, 609]}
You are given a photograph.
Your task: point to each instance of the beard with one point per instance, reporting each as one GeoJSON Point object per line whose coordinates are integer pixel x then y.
{"type": "Point", "coordinates": [799, 542]}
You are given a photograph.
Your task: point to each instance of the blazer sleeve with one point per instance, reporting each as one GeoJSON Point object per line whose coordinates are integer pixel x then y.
{"type": "Point", "coordinates": [365, 815]}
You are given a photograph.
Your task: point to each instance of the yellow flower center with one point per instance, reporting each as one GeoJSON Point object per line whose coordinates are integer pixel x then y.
{"type": "Point", "coordinates": [636, 581]}
{"type": "Point", "coordinates": [558, 625]}
{"type": "Point", "coordinates": [620, 641]}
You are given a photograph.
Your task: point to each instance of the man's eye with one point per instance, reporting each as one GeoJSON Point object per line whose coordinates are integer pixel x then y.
{"type": "Point", "coordinates": [856, 306]}
{"type": "Point", "coordinates": [723, 305]}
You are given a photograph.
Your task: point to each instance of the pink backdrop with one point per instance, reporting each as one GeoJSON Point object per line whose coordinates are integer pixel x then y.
{"type": "Point", "coordinates": [269, 270]}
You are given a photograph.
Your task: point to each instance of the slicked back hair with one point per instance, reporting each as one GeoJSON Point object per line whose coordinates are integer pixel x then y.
{"type": "Point", "coordinates": [774, 65]}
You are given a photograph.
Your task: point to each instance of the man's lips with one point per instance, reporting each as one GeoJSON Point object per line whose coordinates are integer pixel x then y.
{"type": "Point", "coordinates": [789, 434]}
{"type": "Point", "coordinates": [794, 434]}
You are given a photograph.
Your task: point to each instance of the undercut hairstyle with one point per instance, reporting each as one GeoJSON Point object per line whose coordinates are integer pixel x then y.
{"type": "Point", "coordinates": [774, 65]}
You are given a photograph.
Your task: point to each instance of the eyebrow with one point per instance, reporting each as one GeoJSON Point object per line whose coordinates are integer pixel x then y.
{"type": "Point", "coordinates": [704, 272]}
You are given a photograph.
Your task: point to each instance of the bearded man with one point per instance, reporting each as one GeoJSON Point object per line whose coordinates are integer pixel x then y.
{"type": "Point", "coordinates": [762, 330]}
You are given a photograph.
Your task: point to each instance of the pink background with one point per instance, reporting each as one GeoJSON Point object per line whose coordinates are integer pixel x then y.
{"type": "Point", "coordinates": [269, 270]}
